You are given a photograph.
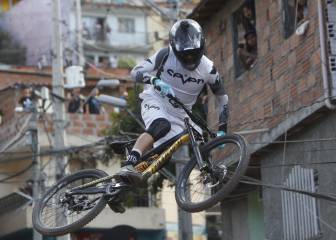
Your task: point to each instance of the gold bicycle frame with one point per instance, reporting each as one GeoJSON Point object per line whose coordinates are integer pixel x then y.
{"type": "Point", "coordinates": [152, 168]}
{"type": "Point", "coordinates": [161, 160]}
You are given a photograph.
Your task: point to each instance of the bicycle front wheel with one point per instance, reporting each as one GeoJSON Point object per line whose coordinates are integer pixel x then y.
{"type": "Point", "coordinates": [52, 216]}
{"type": "Point", "coordinates": [227, 160]}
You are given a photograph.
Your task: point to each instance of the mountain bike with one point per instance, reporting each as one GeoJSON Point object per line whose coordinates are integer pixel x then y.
{"type": "Point", "coordinates": [210, 176]}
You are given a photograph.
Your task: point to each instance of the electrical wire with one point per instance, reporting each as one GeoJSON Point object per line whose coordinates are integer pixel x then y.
{"type": "Point", "coordinates": [51, 152]}
{"type": "Point", "coordinates": [291, 164]}
{"type": "Point", "coordinates": [256, 182]}
{"type": "Point", "coordinates": [19, 135]}
{"type": "Point", "coordinates": [44, 121]}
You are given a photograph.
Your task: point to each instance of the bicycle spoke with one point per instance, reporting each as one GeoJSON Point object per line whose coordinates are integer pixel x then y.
{"type": "Point", "coordinates": [56, 214]}
{"type": "Point", "coordinates": [226, 159]}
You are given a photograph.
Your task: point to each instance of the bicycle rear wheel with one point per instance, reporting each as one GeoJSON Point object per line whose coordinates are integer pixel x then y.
{"type": "Point", "coordinates": [53, 216]}
{"type": "Point", "coordinates": [227, 159]}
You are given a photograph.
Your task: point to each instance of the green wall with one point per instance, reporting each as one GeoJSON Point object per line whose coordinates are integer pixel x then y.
{"type": "Point", "coordinates": [255, 216]}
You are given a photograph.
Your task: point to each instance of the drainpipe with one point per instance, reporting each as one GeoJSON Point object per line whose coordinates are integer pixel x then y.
{"type": "Point", "coordinates": [324, 60]}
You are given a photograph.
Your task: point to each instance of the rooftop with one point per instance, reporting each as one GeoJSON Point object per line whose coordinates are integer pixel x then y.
{"type": "Point", "coordinates": [205, 9]}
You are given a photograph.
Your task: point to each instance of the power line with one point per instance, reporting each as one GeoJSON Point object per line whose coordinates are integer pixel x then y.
{"type": "Point", "coordinates": [17, 174]}
{"type": "Point", "coordinates": [253, 181]}
{"type": "Point", "coordinates": [292, 164]}
{"type": "Point", "coordinates": [20, 134]}
{"type": "Point", "coordinates": [297, 141]}
{"type": "Point", "coordinates": [51, 152]}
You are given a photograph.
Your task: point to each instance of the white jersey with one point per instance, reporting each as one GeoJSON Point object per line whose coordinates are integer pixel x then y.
{"type": "Point", "coordinates": [186, 84]}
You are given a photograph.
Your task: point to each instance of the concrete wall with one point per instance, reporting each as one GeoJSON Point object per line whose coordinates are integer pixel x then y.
{"type": "Point", "coordinates": [117, 44]}
{"type": "Point", "coordinates": [138, 217]}
{"type": "Point", "coordinates": [7, 105]}
{"type": "Point", "coordinates": [114, 37]}
{"type": "Point", "coordinates": [168, 203]}
{"type": "Point", "coordinates": [235, 219]}
{"type": "Point", "coordinates": [14, 221]}
{"type": "Point", "coordinates": [156, 24]}
{"type": "Point", "coordinates": [308, 152]}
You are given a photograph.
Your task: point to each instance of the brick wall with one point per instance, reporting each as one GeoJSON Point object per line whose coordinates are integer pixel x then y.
{"type": "Point", "coordinates": [88, 124]}
{"type": "Point", "coordinates": [79, 124]}
{"type": "Point", "coordinates": [10, 121]}
{"type": "Point", "coordinates": [287, 75]}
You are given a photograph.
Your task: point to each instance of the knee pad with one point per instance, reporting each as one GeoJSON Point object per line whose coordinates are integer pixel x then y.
{"type": "Point", "coordinates": [159, 128]}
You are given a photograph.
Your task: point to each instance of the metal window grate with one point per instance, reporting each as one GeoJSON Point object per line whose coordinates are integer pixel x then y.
{"type": "Point", "coordinates": [300, 212]}
{"type": "Point", "coordinates": [331, 10]}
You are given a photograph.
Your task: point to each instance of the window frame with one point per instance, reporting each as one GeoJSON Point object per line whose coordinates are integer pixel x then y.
{"type": "Point", "coordinates": [127, 21]}
{"type": "Point", "coordinates": [239, 69]}
{"type": "Point", "coordinates": [289, 30]}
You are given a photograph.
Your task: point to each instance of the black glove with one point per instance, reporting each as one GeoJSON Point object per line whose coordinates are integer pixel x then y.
{"type": "Point", "coordinates": [223, 118]}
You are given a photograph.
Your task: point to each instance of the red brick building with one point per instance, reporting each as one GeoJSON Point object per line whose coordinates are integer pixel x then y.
{"type": "Point", "coordinates": [286, 94]}
{"type": "Point", "coordinates": [10, 95]}
{"type": "Point", "coordinates": [15, 152]}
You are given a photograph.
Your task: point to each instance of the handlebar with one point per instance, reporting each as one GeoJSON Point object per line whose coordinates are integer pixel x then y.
{"type": "Point", "coordinates": [177, 103]}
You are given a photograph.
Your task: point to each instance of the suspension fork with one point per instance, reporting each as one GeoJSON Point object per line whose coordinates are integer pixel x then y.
{"type": "Point", "coordinates": [202, 164]}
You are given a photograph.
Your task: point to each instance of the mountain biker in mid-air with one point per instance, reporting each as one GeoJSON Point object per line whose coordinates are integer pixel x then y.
{"type": "Point", "coordinates": [182, 70]}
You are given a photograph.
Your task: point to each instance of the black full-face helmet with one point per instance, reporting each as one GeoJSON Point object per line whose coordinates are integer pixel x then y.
{"type": "Point", "coordinates": [187, 41]}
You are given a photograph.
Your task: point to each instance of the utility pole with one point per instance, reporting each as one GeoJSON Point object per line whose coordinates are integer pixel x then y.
{"type": "Point", "coordinates": [33, 138]}
{"type": "Point", "coordinates": [58, 89]}
{"type": "Point", "coordinates": [181, 157]}
{"type": "Point", "coordinates": [79, 31]}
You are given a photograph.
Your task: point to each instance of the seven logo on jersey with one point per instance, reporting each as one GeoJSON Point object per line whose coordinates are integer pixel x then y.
{"type": "Point", "coordinates": [148, 107]}
{"type": "Point", "coordinates": [185, 79]}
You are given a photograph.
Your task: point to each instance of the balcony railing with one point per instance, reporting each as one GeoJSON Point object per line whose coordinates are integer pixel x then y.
{"type": "Point", "coordinates": [116, 39]}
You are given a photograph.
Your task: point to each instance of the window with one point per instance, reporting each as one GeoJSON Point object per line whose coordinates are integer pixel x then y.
{"type": "Point", "coordinates": [126, 25]}
{"type": "Point", "coordinates": [294, 13]}
{"type": "Point", "coordinates": [300, 212]}
{"type": "Point", "coordinates": [94, 28]}
{"type": "Point", "coordinates": [1, 117]}
{"type": "Point", "coordinates": [103, 61]}
{"type": "Point", "coordinates": [244, 37]}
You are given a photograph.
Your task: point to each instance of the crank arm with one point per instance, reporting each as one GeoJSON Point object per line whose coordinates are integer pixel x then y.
{"type": "Point", "coordinates": [116, 189]}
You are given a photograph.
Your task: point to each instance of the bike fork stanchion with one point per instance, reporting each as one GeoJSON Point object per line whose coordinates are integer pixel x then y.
{"type": "Point", "coordinates": [202, 165]}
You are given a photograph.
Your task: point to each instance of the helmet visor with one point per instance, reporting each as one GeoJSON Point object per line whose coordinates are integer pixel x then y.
{"type": "Point", "coordinates": [190, 58]}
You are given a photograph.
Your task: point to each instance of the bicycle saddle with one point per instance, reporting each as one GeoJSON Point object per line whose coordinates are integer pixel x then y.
{"type": "Point", "coordinates": [119, 147]}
